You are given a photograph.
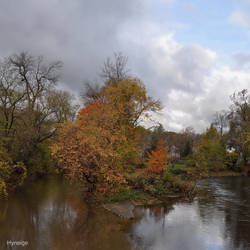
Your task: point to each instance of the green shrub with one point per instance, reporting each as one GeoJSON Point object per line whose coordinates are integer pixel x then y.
{"type": "Point", "coordinates": [126, 195]}
{"type": "Point", "coordinates": [40, 162]}
{"type": "Point", "coordinates": [11, 176]}
{"type": "Point", "coordinates": [231, 160]}
{"type": "Point", "coordinates": [177, 169]}
{"type": "Point", "coordinates": [176, 184]}
{"type": "Point", "coordinates": [5, 170]}
{"type": "Point", "coordinates": [17, 175]}
{"type": "Point", "coordinates": [191, 163]}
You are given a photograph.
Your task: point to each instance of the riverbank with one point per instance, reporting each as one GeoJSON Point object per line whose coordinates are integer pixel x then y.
{"type": "Point", "coordinates": [149, 189]}
{"type": "Point", "coordinates": [225, 174]}
{"type": "Point", "coordinates": [123, 205]}
{"type": "Point", "coordinates": [118, 203]}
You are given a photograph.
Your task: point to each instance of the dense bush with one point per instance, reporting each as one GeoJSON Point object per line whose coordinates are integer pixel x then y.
{"type": "Point", "coordinates": [177, 169]}
{"type": "Point", "coordinates": [211, 153]}
{"type": "Point", "coordinates": [11, 175]}
{"type": "Point", "coordinates": [160, 185]}
{"type": "Point", "coordinates": [231, 161]}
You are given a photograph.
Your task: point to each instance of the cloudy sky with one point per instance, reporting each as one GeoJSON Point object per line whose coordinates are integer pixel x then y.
{"type": "Point", "coordinates": [191, 54]}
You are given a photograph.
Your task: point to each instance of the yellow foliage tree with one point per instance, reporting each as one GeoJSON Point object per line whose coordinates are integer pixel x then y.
{"type": "Point", "coordinates": [100, 147]}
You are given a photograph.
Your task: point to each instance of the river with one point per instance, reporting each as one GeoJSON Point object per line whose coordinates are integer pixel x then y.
{"type": "Point", "coordinates": [49, 214]}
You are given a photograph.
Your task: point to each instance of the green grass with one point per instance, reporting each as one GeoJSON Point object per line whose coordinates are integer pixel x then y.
{"type": "Point", "coordinates": [127, 195]}
{"type": "Point", "coordinates": [177, 169]}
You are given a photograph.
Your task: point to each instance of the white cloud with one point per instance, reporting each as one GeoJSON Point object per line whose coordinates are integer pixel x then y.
{"type": "Point", "coordinates": [240, 19]}
{"type": "Point", "coordinates": [187, 78]}
{"type": "Point", "coordinates": [242, 61]}
{"type": "Point", "coordinates": [197, 109]}
{"type": "Point", "coordinates": [181, 66]}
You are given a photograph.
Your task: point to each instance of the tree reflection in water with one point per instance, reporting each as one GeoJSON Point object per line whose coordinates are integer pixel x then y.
{"type": "Point", "coordinates": [51, 215]}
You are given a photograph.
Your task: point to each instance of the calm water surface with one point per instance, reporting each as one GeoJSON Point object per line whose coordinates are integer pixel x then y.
{"type": "Point", "coordinates": [51, 215]}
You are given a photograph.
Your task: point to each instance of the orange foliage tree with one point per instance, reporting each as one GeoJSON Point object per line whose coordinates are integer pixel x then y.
{"type": "Point", "coordinates": [158, 158]}
{"type": "Point", "coordinates": [93, 150]}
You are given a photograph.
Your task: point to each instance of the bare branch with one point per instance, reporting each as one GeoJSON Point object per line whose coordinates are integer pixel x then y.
{"type": "Point", "coordinates": [115, 70]}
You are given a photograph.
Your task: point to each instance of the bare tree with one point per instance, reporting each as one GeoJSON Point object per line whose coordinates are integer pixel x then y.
{"type": "Point", "coordinates": [90, 92]}
{"type": "Point", "coordinates": [220, 121]}
{"type": "Point", "coordinates": [115, 70]}
{"type": "Point", "coordinates": [36, 76]}
{"type": "Point", "coordinates": [11, 95]}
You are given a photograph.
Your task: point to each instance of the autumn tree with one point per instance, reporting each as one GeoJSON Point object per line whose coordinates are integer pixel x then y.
{"type": "Point", "coordinates": [91, 92]}
{"type": "Point", "coordinates": [104, 143]}
{"type": "Point", "coordinates": [156, 133]}
{"type": "Point", "coordinates": [92, 149]}
{"type": "Point", "coordinates": [131, 101]}
{"type": "Point", "coordinates": [211, 153]}
{"type": "Point", "coordinates": [239, 124]}
{"type": "Point", "coordinates": [158, 159]}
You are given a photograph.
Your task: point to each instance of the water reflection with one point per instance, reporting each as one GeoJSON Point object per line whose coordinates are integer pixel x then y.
{"type": "Point", "coordinates": [218, 219]}
{"type": "Point", "coordinates": [51, 215]}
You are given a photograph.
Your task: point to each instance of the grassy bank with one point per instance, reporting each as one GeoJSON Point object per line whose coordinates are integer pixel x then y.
{"type": "Point", "coordinates": [173, 183]}
{"type": "Point", "coordinates": [144, 187]}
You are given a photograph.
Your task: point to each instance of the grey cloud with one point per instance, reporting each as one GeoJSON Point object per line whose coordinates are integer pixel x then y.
{"type": "Point", "coordinates": [242, 61]}
{"type": "Point", "coordinates": [83, 33]}
{"type": "Point", "coordinates": [80, 33]}
{"type": "Point", "coordinates": [181, 68]}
